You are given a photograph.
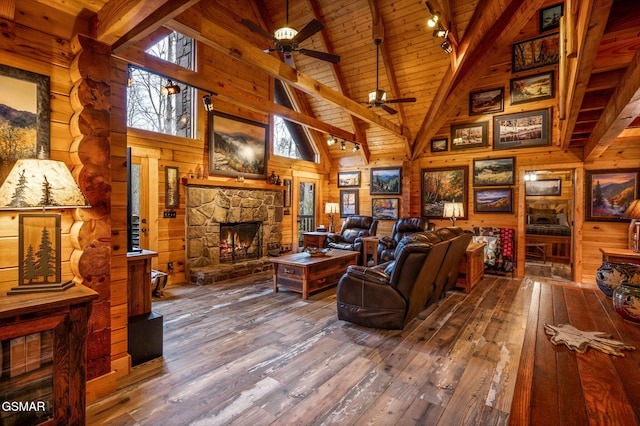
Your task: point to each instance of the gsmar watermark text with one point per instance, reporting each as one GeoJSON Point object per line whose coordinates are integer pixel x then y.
{"type": "Point", "coordinates": [23, 405]}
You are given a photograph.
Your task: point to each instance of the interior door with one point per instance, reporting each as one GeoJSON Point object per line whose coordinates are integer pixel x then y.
{"type": "Point", "coordinates": [144, 198]}
{"type": "Point", "coordinates": [306, 210]}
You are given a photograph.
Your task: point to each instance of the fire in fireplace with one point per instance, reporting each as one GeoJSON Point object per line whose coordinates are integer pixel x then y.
{"type": "Point", "coordinates": [240, 241]}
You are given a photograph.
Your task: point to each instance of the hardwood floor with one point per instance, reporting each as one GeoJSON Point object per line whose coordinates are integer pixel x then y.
{"type": "Point", "coordinates": [240, 354]}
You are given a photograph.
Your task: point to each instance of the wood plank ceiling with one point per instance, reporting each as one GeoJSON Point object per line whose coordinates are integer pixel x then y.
{"type": "Point", "coordinates": [603, 79]}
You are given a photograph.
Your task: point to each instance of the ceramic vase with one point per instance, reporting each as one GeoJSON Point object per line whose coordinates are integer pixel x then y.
{"type": "Point", "coordinates": [609, 276]}
{"type": "Point", "coordinates": [626, 295]}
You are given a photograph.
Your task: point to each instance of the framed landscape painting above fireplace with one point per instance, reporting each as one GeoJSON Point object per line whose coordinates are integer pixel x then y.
{"type": "Point", "coordinates": [237, 146]}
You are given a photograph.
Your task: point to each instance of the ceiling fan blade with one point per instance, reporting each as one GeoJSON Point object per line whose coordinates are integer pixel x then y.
{"type": "Point", "coordinates": [288, 59]}
{"type": "Point", "coordinates": [395, 101]}
{"type": "Point", "coordinates": [389, 109]}
{"type": "Point", "coordinates": [334, 59]}
{"type": "Point", "coordinates": [310, 29]}
{"type": "Point", "coordinates": [258, 29]}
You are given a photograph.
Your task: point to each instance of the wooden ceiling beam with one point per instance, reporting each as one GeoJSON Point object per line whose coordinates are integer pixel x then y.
{"type": "Point", "coordinates": [590, 26]}
{"type": "Point", "coordinates": [121, 23]}
{"type": "Point", "coordinates": [7, 9]}
{"type": "Point", "coordinates": [621, 110]}
{"type": "Point", "coordinates": [227, 92]}
{"type": "Point", "coordinates": [479, 46]}
{"type": "Point", "coordinates": [225, 41]}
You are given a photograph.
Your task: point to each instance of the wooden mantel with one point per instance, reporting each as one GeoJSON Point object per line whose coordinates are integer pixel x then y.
{"type": "Point", "coordinates": [232, 183]}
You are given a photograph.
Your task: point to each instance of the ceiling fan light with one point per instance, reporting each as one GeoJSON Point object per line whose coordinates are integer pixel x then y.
{"type": "Point", "coordinates": [377, 96]}
{"type": "Point", "coordinates": [285, 33]}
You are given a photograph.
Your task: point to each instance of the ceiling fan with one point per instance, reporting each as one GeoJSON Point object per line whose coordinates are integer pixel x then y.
{"type": "Point", "coordinates": [378, 98]}
{"type": "Point", "coordinates": [287, 39]}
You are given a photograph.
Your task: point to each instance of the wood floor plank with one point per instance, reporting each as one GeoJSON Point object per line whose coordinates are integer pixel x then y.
{"type": "Point", "coordinates": [238, 353]}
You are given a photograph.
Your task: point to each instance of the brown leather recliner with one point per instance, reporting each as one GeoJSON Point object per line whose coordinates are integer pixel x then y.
{"type": "Point", "coordinates": [448, 274]}
{"type": "Point", "coordinates": [353, 229]}
{"type": "Point", "coordinates": [402, 228]}
{"type": "Point", "coordinates": [392, 294]}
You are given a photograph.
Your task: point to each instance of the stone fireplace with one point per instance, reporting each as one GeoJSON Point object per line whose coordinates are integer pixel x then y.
{"type": "Point", "coordinates": [212, 213]}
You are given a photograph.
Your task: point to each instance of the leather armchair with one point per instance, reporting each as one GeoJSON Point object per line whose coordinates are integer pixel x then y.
{"type": "Point", "coordinates": [390, 295]}
{"type": "Point", "coordinates": [402, 228]}
{"type": "Point", "coordinates": [353, 229]}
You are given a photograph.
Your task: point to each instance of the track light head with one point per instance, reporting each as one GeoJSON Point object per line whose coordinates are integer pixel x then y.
{"type": "Point", "coordinates": [170, 89]}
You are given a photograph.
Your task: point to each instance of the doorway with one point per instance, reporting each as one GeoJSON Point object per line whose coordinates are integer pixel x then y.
{"type": "Point", "coordinates": [550, 222]}
{"type": "Point", "coordinates": [306, 210]}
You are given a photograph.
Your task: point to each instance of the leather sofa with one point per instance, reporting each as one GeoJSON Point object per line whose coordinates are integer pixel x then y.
{"type": "Point", "coordinates": [403, 227]}
{"type": "Point", "coordinates": [353, 229]}
{"type": "Point", "coordinates": [391, 294]}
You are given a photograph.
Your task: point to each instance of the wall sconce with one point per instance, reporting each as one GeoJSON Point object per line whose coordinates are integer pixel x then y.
{"type": "Point", "coordinates": [35, 184]}
{"type": "Point", "coordinates": [331, 141]}
{"type": "Point", "coordinates": [207, 100]}
{"type": "Point", "coordinates": [170, 89]}
{"type": "Point", "coordinates": [453, 211]}
{"type": "Point", "coordinates": [331, 209]}
{"type": "Point", "coordinates": [633, 212]}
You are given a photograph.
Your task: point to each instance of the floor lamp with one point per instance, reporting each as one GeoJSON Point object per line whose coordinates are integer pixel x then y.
{"type": "Point", "coordinates": [36, 184]}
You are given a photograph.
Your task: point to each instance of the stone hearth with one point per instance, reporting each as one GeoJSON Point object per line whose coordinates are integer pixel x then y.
{"type": "Point", "coordinates": [208, 207]}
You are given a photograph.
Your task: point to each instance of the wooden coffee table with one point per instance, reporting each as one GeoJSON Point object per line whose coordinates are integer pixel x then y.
{"type": "Point", "coordinates": [304, 274]}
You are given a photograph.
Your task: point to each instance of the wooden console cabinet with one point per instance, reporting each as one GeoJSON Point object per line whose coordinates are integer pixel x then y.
{"type": "Point", "coordinates": [314, 239]}
{"type": "Point", "coordinates": [471, 267]}
{"type": "Point", "coordinates": [620, 255]}
{"type": "Point", "coordinates": [43, 356]}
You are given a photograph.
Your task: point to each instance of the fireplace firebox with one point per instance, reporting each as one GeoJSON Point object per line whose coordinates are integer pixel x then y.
{"type": "Point", "coordinates": [240, 242]}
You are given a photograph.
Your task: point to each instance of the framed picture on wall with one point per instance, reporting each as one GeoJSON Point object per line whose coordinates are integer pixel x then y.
{"type": "Point", "coordinates": [386, 180]}
{"type": "Point", "coordinates": [543, 187]}
{"type": "Point", "coordinates": [486, 102]}
{"type": "Point", "coordinates": [439, 145]}
{"type": "Point", "coordinates": [494, 172]}
{"type": "Point", "coordinates": [550, 17]}
{"type": "Point", "coordinates": [349, 179]}
{"type": "Point", "coordinates": [349, 203]}
{"type": "Point", "coordinates": [385, 208]}
{"type": "Point", "coordinates": [531, 88]}
{"type": "Point", "coordinates": [498, 200]}
{"type": "Point", "coordinates": [523, 130]}
{"type": "Point", "coordinates": [538, 52]}
{"type": "Point", "coordinates": [469, 135]}
{"type": "Point", "coordinates": [237, 146]}
{"type": "Point", "coordinates": [25, 96]}
{"type": "Point", "coordinates": [609, 193]}
{"type": "Point", "coordinates": [440, 185]}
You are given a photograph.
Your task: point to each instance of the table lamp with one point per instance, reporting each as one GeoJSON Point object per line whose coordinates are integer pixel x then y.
{"type": "Point", "coordinates": [453, 211]}
{"type": "Point", "coordinates": [633, 212]}
{"type": "Point", "coordinates": [331, 209]}
{"type": "Point", "coordinates": [35, 184]}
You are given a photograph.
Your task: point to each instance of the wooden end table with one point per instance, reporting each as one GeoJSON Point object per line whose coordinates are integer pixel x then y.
{"type": "Point", "coordinates": [370, 247]}
{"type": "Point", "coordinates": [471, 267]}
{"type": "Point", "coordinates": [620, 255]}
{"type": "Point", "coordinates": [304, 274]}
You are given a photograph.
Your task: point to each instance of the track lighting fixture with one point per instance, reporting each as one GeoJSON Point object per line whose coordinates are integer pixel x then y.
{"type": "Point", "coordinates": [435, 16]}
{"type": "Point", "coordinates": [343, 146]}
{"type": "Point", "coordinates": [208, 102]}
{"type": "Point", "coordinates": [446, 46]}
{"type": "Point", "coordinates": [170, 89]}
{"type": "Point", "coordinates": [441, 32]}
{"type": "Point", "coordinates": [331, 140]}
